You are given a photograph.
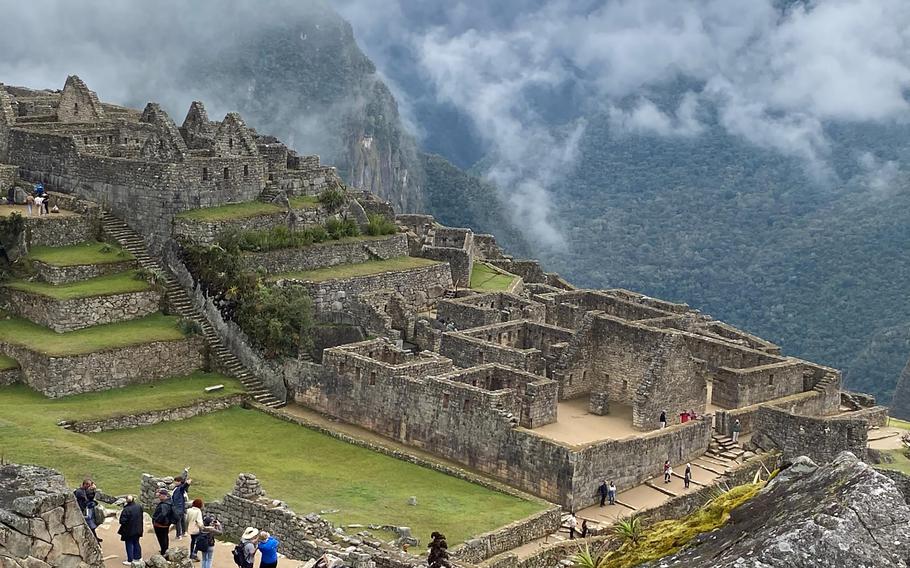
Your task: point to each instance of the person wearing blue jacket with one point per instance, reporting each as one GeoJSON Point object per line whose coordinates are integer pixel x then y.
{"type": "Point", "coordinates": [268, 548]}
{"type": "Point", "coordinates": [178, 500]}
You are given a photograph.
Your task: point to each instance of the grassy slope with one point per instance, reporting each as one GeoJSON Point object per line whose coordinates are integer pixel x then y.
{"type": "Point", "coordinates": [362, 269]}
{"type": "Point", "coordinates": [485, 278]}
{"type": "Point", "coordinates": [7, 363]}
{"type": "Point", "coordinates": [314, 472]}
{"type": "Point", "coordinates": [155, 327]}
{"type": "Point", "coordinates": [85, 253]}
{"type": "Point", "coordinates": [246, 209]}
{"type": "Point", "coordinates": [119, 283]}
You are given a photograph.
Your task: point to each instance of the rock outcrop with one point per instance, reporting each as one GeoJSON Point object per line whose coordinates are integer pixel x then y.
{"type": "Point", "coordinates": [838, 515]}
{"type": "Point", "coordinates": [40, 522]}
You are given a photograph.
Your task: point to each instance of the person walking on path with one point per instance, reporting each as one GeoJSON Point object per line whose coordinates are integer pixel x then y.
{"type": "Point", "coordinates": [687, 478]}
{"type": "Point", "coordinates": [268, 550]}
{"type": "Point", "coordinates": [206, 541]}
{"type": "Point", "coordinates": [245, 552]}
{"type": "Point", "coordinates": [603, 490]}
{"type": "Point", "coordinates": [571, 522]}
{"type": "Point", "coordinates": [611, 493]}
{"type": "Point", "coordinates": [668, 471]}
{"type": "Point", "coordinates": [194, 526]}
{"type": "Point", "coordinates": [162, 519]}
{"type": "Point", "coordinates": [663, 419]}
{"type": "Point", "coordinates": [584, 528]}
{"type": "Point", "coordinates": [178, 498]}
{"type": "Point", "coordinates": [736, 429]}
{"type": "Point", "coordinates": [85, 494]}
{"type": "Point", "coordinates": [131, 530]}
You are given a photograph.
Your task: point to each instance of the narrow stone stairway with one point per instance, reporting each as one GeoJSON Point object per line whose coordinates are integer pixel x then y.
{"type": "Point", "coordinates": [725, 448]}
{"type": "Point", "coordinates": [180, 303]}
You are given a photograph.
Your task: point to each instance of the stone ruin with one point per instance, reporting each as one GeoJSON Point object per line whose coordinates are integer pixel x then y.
{"type": "Point", "coordinates": [40, 522]}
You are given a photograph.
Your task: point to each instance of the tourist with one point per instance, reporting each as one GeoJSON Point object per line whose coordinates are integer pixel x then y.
{"type": "Point", "coordinates": [668, 471]}
{"type": "Point", "coordinates": [611, 493]}
{"type": "Point", "coordinates": [194, 526]}
{"type": "Point", "coordinates": [131, 528]}
{"type": "Point", "coordinates": [85, 493]}
{"type": "Point", "coordinates": [736, 428]}
{"type": "Point", "coordinates": [571, 522]}
{"type": "Point", "coordinates": [94, 516]}
{"type": "Point", "coordinates": [692, 415]}
{"type": "Point", "coordinates": [683, 417]}
{"type": "Point", "coordinates": [29, 201]}
{"type": "Point", "coordinates": [206, 541]}
{"type": "Point", "coordinates": [39, 203]}
{"type": "Point", "coordinates": [688, 475]}
{"type": "Point", "coordinates": [162, 519]}
{"type": "Point", "coordinates": [584, 528]}
{"type": "Point", "coordinates": [603, 490]}
{"type": "Point", "coordinates": [178, 498]}
{"type": "Point", "coordinates": [245, 552]}
{"type": "Point", "coordinates": [268, 549]}
{"type": "Point", "coordinates": [663, 419]}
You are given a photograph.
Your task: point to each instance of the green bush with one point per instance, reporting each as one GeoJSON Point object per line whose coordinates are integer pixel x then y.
{"type": "Point", "coordinates": [282, 237]}
{"type": "Point", "coordinates": [277, 320]}
{"type": "Point", "coordinates": [380, 225]}
{"type": "Point", "coordinates": [189, 327]}
{"type": "Point", "coordinates": [341, 228]}
{"type": "Point", "coordinates": [332, 199]}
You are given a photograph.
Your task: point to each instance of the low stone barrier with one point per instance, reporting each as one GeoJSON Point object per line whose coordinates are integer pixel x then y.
{"type": "Point", "coordinates": [326, 254]}
{"type": "Point", "coordinates": [511, 536]}
{"type": "Point", "coordinates": [78, 272]}
{"type": "Point", "coordinates": [125, 421]}
{"type": "Point", "coordinates": [874, 416]}
{"type": "Point", "coordinates": [78, 313]}
{"type": "Point", "coordinates": [55, 230]}
{"type": "Point", "coordinates": [10, 377]}
{"type": "Point", "coordinates": [207, 232]}
{"type": "Point", "coordinates": [102, 370]}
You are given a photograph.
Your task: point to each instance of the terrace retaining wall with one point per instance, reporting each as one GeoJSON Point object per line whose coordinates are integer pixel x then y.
{"type": "Point", "coordinates": [76, 273]}
{"type": "Point", "coordinates": [151, 417]}
{"type": "Point", "coordinates": [207, 232]}
{"type": "Point", "coordinates": [78, 313]}
{"type": "Point", "coordinates": [326, 254]}
{"type": "Point", "coordinates": [513, 535]}
{"type": "Point", "coordinates": [54, 230]}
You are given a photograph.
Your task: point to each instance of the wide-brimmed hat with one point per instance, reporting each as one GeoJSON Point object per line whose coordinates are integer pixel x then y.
{"type": "Point", "coordinates": [250, 533]}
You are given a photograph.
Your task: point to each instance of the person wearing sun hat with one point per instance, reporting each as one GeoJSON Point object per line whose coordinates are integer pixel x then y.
{"type": "Point", "coordinates": [249, 540]}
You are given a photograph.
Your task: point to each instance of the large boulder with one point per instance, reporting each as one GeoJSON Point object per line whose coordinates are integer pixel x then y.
{"type": "Point", "coordinates": [841, 514]}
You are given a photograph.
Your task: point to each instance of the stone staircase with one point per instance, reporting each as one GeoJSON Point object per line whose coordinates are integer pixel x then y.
{"type": "Point", "coordinates": [724, 447]}
{"type": "Point", "coordinates": [181, 304]}
{"type": "Point", "coordinates": [270, 192]}
{"type": "Point", "coordinates": [450, 294]}
{"type": "Point", "coordinates": [826, 381]}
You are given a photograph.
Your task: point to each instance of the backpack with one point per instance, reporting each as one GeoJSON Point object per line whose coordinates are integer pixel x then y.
{"type": "Point", "coordinates": [98, 514]}
{"type": "Point", "coordinates": [240, 556]}
{"type": "Point", "coordinates": [204, 541]}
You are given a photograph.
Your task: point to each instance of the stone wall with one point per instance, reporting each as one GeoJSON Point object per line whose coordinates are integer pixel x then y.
{"type": "Point", "coordinates": [76, 273]}
{"type": "Point", "coordinates": [40, 522]}
{"type": "Point", "coordinates": [327, 254]}
{"type": "Point", "coordinates": [460, 261]}
{"type": "Point", "coordinates": [78, 313]}
{"type": "Point", "coordinates": [207, 232]}
{"type": "Point", "coordinates": [513, 535]}
{"type": "Point", "coordinates": [103, 370]}
{"type": "Point", "coordinates": [734, 388]}
{"type": "Point", "coordinates": [487, 309]}
{"type": "Point", "coordinates": [126, 421]}
{"type": "Point", "coordinates": [822, 439]}
{"type": "Point", "coordinates": [8, 176]}
{"type": "Point", "coordinates": [811, 403]}
{"type": "Point", "coordinates": [10, 377]}
{"type": "Point", "coordinates": [54, 230]}
{"type": "Point", "coordinates": [420, 286]}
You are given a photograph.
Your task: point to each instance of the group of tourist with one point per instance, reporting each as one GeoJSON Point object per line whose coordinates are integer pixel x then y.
{"type": "Point", "coordinates": [668, 474]}
{"type": "Point", "coordinates": [684, 416]}
{"type": "Point", "coordinates": [171, 510]}
{"type": "Point", "coordinates": [39, 198]}
{"type": "Point", "coordinates": [572, 525]}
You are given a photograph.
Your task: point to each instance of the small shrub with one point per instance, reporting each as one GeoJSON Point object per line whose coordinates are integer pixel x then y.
{"type": "Point", "coordinates": [380, 225]}
{"type": "Point", "coordinates": [106, 249]}
{"type": "Point", "coordinates": [332, 199]}
{"type": "Point", "coordinates": [341, 228]}
{"type": "Point", "coordinates": [277, 320]}
{"type": "Point", "coordinates": [189, 326]}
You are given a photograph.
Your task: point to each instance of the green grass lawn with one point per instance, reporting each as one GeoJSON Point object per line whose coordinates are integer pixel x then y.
{"type": "Point", "coordinates": [154, 327]}
{"type": "Point", "coordinates": [119, 283]}
{"type": "Point", "coordinates": [7, 363]}
{"type": "Point", "coordinates": [29, 431]}
{"type": "Point", "coordinates": [901, 462]}
{"type": "Point", "coordinates": [314, 472]}
{"type": "Point", "coordinates": [898, 423]}
{"type": "Point", "coordinates": [84, 253]}
{"type": "Point", "coordinates": [362, 269]}
{"type": "Point", "coordinates": [246, 209]}
{"type": "Point", "coordinates": [483, 277]}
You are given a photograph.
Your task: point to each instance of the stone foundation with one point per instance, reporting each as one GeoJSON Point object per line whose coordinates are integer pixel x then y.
{"type": "Point", "coordinates": [76, 273]}
{"type": "Point", "coordinates": [156, 416]}
{"type": "Point", "coordinates": [78, 313]}
{"type": "Point", "coordinates": [207, 232]}
{"type": "Point", "coordinates": [54, 230]}
{"type": "Point", "coordinates": [40, 522]}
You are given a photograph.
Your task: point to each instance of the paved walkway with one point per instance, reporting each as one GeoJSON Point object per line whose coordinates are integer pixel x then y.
{"type": "Point", "coordinates": [886, 438]}
{"type": "Point", "coordinates": [115, 553]}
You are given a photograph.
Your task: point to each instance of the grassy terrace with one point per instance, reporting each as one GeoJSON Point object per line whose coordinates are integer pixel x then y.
{"type": "Point", "coordinates": [362, 269]}
{"type": "Point", "coordinates": [155, 327]}
{"type": "Point", "coordinates": [120, 283]}
{"type": "Point", "coordinates": [311, 471]}
{"type": "Point", "coordinates": [484, 277]}
{"type": "Point", "coordinates": [7, 363]}
{"type": "Point", "coordinates": [85, 253]}
{"type": "Point", "coordinates": [246, 209]}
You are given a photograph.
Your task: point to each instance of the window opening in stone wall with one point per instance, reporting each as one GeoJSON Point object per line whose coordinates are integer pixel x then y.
{"type": "Point", "coordinates": [227, 173]}
{"type": "Point", "coordinates": [467, 405]}
{"type": "Point", "coordinates": [474, 382]}
{"type": "Point", "coordinates": [372, 377]}
{"type": "Point", "coordinates": [205, 174]}
{"type": "Point", "coordinates": [771, 380]}
{"type": "Point", "coordinates": [625, 385]}
{"type": "Point", "coordinates": [75, 107]}
{"type": "Point", "coordinates": [445, 400]}
{"type": "Point", "coordinates": [98, 140]}
{"type": "Point", "coordinates": [126, 140]}
{"type": "Point", "coordinates": [271, 177]}
{"type": "Point", "coordinates": [85, 139]}
{"type": "Point", "coordinates": [231, 143]}
{"type": "Point", "coordinates": [110, 139]}
{"type": "Point", "coordinates": [246, 171]}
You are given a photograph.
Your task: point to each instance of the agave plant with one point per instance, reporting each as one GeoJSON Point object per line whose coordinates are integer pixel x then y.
{"type": "Point", "coordinates": [629, 528]}
{"type": "Point", "coordinates": [584, 559]}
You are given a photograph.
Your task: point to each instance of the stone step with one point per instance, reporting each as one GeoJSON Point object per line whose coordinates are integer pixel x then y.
{"type": "Point", "coordinates": [663, 490]}
{"type": "Point", "coordinates": [732, 455]}
{"type": "Point", "coordinates": [707, 468]}
{"type": "Point", "coordinates": [714, 460]}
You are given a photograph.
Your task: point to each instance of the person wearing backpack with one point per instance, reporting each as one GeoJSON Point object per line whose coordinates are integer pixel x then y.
{"type": "Point", "coordinates": [131, 530]}
{"type": "Point", "coordinates": [205, 543]}
{"type": "Point", "coordinates": [162, 519]}
{"type": "Point", "coordinates": [178, 499]}
{"type": "Point", "coordinates": [245, 551]}
{"type": "Point", "coordinates": [94, 517]}
{"type": "Point", "coordinates": [194, 527]}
